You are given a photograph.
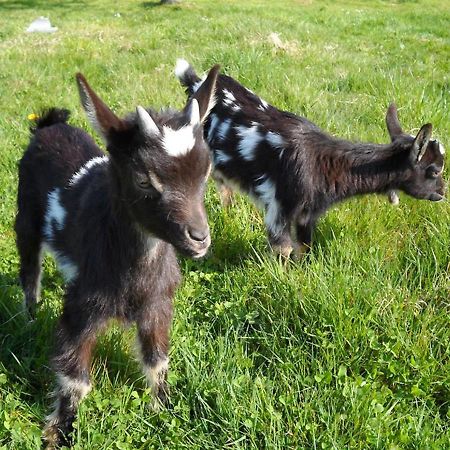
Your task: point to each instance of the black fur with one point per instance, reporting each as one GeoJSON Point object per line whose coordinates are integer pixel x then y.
{"type": "Point", "coordinates": [296, 171]}
{"type": "Point", "coordinates": [112, 223]}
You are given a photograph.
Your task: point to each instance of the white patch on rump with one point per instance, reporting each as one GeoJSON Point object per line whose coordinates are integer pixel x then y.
{"type": "Point", "coordinates": [84, 170]}
{"type": "Point", "coordinates": [56, 213]}
{"type": "Point", "coordinates": [178, 142]}
{"type": "Point", "coordinates": [250, 138]}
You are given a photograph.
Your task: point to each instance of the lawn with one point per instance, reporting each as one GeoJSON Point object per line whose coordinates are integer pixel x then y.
{"type": "Point", "coordinates": [347, 349]}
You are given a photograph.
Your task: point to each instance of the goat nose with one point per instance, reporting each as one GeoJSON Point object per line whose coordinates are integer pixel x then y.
{"type": "Point", "coordinates": [197, 234]}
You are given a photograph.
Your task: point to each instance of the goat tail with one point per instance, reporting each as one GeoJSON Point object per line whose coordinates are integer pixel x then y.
{"type": "Point", "coordinates": [50, 117]}
{"type": "Point", "coordinates": [186, 74]}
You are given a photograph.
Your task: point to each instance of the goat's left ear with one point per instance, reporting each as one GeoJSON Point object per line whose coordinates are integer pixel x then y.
{"type": "Point", "coordinates": [101, 117]}
{"type": "Point", "coordinates": [421, 143]}
{"type": "Point", "coordinates": [204, 96]}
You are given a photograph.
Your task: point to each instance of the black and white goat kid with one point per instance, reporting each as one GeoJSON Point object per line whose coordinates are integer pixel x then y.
{"type": "Point", "coordinates": [112, 222]}
{"type": "Point", "coordinates": [295, 171]}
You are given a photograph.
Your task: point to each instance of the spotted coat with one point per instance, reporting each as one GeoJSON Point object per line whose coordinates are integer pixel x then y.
{"type": "Point", "coordinates": [295, 171]}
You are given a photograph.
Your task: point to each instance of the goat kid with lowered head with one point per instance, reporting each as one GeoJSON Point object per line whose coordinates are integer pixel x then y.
{"type": "Point", "coordinates": [296, 171]}
{"type": "Point", "coordinates": [112, 222]}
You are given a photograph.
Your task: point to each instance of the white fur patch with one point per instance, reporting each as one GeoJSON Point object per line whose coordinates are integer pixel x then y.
{"type": "Point", "coordinates": [223, 129]}
{"type": "Point", "coordinates": [264, 104]}
{"type": "Point", "coordinates": [274, 139]}
{"type": "Point", "coordinates": [221, 157]}
{"type": "Point", "coordinates": [68, 269]}
{"type": "Point", "coordinates": [197, 85]}
{"type": "Point", "coordinates": [250, 138]}
{"type": "Point", "coordinates": [98, 160]}
{"type": "Point", "coordinates": [230, 100]}
{"type": "Point", "coordinates": [181, 67]}
{"type": "Point", "coordinates": [178, 142]}
{"type": "Point", "coordinates": [215, 121]}
{"type": "Point", "coordinates": [441, 149]}
{"type": "Point", "coordinates": [154, 373]}
{"type": "Point", "coordinates": [56, 213]}
{"type": "Point", "coordinates": [72, 386]}
{"type": "Point", "coordinates": [266, 195]}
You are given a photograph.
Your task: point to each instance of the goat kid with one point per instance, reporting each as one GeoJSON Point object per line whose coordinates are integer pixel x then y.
{"type": "Point", "coordinates": [112, 222]}
{"type": "Point", "coordinates": [295, 171]}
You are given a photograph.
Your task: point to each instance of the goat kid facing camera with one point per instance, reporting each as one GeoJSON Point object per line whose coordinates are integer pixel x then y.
{"type": "Point", "coordinates": [296, 172]}
{"type": "Point", "coordinates": [112, 222]}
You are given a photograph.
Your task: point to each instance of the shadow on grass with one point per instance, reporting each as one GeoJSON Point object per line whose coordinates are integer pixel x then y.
{"type": "Point", "coordinates": [42, 4]}
{"type": "Point", "coordinates": [159, 3]}
{"type": "Point", "coordinates": [26, 347]}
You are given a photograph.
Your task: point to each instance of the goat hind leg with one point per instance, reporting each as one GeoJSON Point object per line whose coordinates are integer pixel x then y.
{"type": "Point", "coordinates": [29, 246]}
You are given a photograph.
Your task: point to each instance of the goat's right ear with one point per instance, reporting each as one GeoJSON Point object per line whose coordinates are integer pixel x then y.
{"type": "Point", "coordinates": [205, 94]}
{"type": "Point", "coordinates": [392, 122]}
{"type": "Point", "coordinates": [102, 119]}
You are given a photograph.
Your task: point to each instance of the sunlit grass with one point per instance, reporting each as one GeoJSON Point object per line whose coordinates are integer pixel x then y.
{"type": "Point", "coordinates": [349, 348]}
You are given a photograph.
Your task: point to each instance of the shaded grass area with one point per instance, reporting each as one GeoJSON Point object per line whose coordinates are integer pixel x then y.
{"type": "Point", "coordinates": [346, 349]}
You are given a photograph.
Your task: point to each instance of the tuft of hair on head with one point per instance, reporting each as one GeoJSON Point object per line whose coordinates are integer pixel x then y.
{"type": "Point", "coordinates": [50, 117]}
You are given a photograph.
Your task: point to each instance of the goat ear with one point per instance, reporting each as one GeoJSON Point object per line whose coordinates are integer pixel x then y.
{"type": "Point", "coordinates": [146, 124]}
{"type": "Point", "coordinates": [101, 117]}
{"type": "Point", "coordinates": [205, 94]}
{"type": "Point", "coordinates": [392, 122]}
{"type": "Point", "coordinates": [421, 143]}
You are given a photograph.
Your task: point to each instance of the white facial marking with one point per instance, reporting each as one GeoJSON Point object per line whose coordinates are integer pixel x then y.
{"type": "Point", "coordinates": [212, 127]}
{"type": "Point", "coordinates": [181, 68]}
{"type": "Point", "coordinates": [250, 138]}
{"type": "Point", "coordinates": [441, 149]}
{"type": "Point", "coordinates": [146, 124]}
{"type": "Point", "coordinates": [266, 195]}
{"type": "Point", "coordinates": [221, 157]}
{"type": "Point", "coordinates": [223, 129]}
{"type": "Point", "coordinates": [98, 160]}
{"type": "Point", "coordinates": [274, 139]}
{"type": "Point", "coordinates": [156, 183]}
{"type": "Point", "coordinates": [178, 142]}
{"type": "Point", "coordinates": [55, 215]}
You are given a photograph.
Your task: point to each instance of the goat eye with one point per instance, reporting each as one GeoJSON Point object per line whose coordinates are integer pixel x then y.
{"type": "Point", "coordinates": [144, 182]}
{"type": "Point", "coordinates": [432, 172]}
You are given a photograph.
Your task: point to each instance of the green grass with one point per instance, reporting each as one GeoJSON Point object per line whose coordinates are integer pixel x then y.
{"type": "Point", "coordinates": [348, 349]}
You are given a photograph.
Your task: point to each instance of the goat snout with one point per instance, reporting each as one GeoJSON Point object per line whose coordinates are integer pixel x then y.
{"type": "Point", "coordinates": [198, 234]}
{"type": "Point", "coordinates": [199, 240]}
